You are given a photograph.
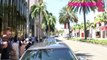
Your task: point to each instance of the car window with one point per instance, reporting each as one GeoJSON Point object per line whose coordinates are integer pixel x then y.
{"type": "Point", "coordinates": [49, 54]}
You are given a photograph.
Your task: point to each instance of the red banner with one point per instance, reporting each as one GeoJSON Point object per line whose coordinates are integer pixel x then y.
{"type": "Point", "coordinates": [100, 5]}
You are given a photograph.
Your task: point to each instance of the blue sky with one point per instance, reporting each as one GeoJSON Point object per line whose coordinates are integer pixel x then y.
{"type": "Point", "coordinates": [54, 6]}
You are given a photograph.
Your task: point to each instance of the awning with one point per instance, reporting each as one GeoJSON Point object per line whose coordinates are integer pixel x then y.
{"type": "Point", "coordinates": [103, 28]}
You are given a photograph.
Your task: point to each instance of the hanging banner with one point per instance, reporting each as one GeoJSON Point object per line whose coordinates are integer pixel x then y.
{"type": "Point", "coordinates": [100, 5]}
{"type": "Point", "coordinates": [79, 4]}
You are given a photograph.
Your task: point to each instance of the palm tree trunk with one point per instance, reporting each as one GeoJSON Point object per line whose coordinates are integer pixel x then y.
{"type": "Point", "coordinates": [85, 33]}
{"type": "Point", "coordinates": [39, 27]}
{"type": "Point", "coordinates": [48, 30]}
{"type": "Point", "coordinates": [69, 28]}
{"type": "Point", "coordinates": [35, 26]}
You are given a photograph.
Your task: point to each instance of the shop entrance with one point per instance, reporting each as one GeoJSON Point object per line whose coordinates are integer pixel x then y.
{"type": "Point", "coordinates": [98, 34]}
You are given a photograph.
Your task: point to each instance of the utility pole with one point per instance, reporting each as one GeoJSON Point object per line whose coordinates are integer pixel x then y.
{"type": "Point", "coordinates": [27, 23]}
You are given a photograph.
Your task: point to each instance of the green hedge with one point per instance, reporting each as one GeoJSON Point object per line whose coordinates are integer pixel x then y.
{"type": "Point", "coordinates": [102, 42]}
{"type": "Point", "coordinates": [94, 41]}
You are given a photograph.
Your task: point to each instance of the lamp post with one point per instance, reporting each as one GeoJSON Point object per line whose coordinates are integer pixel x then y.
{"type": "Point", "coordinates": [27, 23]}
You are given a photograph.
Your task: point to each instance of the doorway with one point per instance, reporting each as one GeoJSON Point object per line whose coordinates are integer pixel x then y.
{"type": "Point", "coordinates": [98, 34]}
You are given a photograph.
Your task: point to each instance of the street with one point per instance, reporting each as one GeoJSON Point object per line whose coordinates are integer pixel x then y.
{"type": "Point", "coordinates": [87, 50]}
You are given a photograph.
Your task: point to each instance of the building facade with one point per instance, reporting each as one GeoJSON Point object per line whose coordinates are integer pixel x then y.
{"type": "Point", "coordinates": [11, 12]}
{"type": "Point", "coordinates": [15, 14]}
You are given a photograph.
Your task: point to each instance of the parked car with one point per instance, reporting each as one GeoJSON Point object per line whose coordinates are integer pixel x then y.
{"type": "Point", "coordinates": [42, 51]}
{"type": "Point", "coordinates": [51, 39]}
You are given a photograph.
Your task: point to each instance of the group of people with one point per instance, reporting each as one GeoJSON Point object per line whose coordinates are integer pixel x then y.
{"type": "Point", "coordinates": [12, 47]}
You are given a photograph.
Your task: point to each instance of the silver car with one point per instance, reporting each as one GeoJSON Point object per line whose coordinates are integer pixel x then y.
{"type": "Point", "coordinates": [42, 51]}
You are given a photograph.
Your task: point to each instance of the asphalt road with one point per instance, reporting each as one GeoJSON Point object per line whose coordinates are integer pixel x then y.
{"type": "Point", "coordinates": [87, 51]}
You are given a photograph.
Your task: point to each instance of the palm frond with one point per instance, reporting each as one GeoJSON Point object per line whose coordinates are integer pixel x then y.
{"type": "Point", "coordinates": [88, 8]}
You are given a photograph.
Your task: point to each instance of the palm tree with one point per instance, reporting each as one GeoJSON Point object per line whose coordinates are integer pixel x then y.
{"type": "Point", "coordinates": [77, 26]}
{"type": "Point", "coordinates": [101, 17]}
{"type": "Point", "coordinates": [38, 11]}
{"type": "Point", "coordinates": [49, 22]}
{"type": "Point", "coordinates": [85, 9]}
{"type": "Point", "coordinates": [66, 16]}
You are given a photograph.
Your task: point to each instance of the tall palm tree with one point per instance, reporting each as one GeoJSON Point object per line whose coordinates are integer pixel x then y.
{"type": "Point", "coordinates": [85, 9]}
{"type": "Point", "coordinates": [37, 13]}
{"type": "Point", "coordinates": [66, 16]}
{"type": "Point", "coordinates": [49, 22]}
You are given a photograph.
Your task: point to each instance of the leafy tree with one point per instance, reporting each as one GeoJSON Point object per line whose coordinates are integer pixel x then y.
{"type": "Point", "coordinates": [101, 17]}
{"type": "Point", "coordinates": [67, 16]}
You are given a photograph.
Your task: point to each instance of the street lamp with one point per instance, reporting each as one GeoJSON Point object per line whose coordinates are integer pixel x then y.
{"type": "Point", "coordinates": [27, 23]}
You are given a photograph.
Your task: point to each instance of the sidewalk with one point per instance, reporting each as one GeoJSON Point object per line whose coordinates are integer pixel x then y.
{"type": "Point", "coordinates": [87, 50]}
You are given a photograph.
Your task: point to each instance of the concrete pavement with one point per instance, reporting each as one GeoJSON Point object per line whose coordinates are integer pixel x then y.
{"type": "Point", "coordinates": [87, 50]}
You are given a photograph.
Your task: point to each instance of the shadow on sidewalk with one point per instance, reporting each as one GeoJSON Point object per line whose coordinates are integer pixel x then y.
{"type": "Point", "coordinates": [84, 56]}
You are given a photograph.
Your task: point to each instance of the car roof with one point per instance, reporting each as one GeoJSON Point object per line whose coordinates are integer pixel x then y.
{"type": "Point", "coordinates": [37, 46]}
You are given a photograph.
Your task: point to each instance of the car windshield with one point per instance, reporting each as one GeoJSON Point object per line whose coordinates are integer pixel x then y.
{"type": "Point", "coordinates": [49, 54]}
